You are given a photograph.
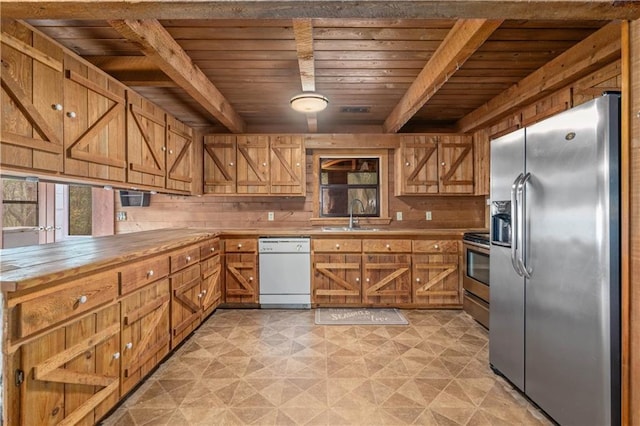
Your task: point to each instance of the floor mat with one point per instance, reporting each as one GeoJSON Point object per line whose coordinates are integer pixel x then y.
{"type": "Point", "coordinates": [360, 316]}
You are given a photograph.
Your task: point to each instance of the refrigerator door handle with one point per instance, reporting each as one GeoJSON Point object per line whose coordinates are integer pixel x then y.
{"type": "Point", "coordinates": [515, 225]}
{"type": "Point", "coordinates": [522, 232]}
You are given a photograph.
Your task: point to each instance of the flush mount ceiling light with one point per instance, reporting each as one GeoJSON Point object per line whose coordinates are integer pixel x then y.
{"type": "Point", "coordinates": [309, 102]}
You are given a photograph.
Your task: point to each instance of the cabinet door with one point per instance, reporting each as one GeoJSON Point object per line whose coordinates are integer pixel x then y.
{"type": "Point", "coordinates": [336, 278]}
{"type": "Point", "coordinates": [241, 278]}
{"type": "Point", "coordinates": [386, 279]}
{"type": "Point", "coordinates": [94, 123]}
{"type": "Point", "coordinates": [417, 165]}
{"type": "Point", "coordinates": [185, 303]}
{"type": "Point", "coordinates": [72, 373]}
{"type": "Point", "coordinates": [436, 281]}
{"type": "Point", "coordinates": [32, 100]}
{"type": "Point", "coordinates": [253, 164]}
{"type": "Point", "coordinates": [219, 164]}
{"type": "Point", "coordinates": [455, 156]}
{"type": "Point", "coordinates": [145, 332]}
{"type": "Point", "coordinates": [179, 156]}
{"type": "Point", "coordinates": [288, 174]}
{"type": "Point", "coordinates": [211, 284]}
{"type": "Point", "coordinates": [146, 144]}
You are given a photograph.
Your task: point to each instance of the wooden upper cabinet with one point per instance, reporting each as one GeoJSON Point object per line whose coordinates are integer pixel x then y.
{"type": "Point", "coordinates": [146, 142]}
{"type": "Point", "coordinates": [94, 123]}
{"type": "Point", "coordinates": [434, 164]}
{"type": "Point", "coordinates": [219, 164]}
{"type": "Point", "coordinates": [32, 100]}
{"type": "Point", "coordinates": [179, 156]}
{"type": "Point", "coordinates": [288, 175]}
{"type": "Point", "coordinates": [253, 164]}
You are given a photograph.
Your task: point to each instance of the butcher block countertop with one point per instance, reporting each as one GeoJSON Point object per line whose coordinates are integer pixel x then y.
{"type": "Point", "coordinates": [24, 268]}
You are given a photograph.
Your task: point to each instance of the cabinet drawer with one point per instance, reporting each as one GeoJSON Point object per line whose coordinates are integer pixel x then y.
{"type": "Point", "coordinates": [335, 245]}
{"type": "Point", "coordinates": [183, 258]}
{"type": "Point", "coordinates": [246, 245]}
{"type": "Point", "coordinates": [73, 298]}
{"type": "Point", "coordinates": [208, 266]}
{"type": "Point", "coordinates": [209, 248]}
{"type": "Point", "coordinates": [435, 246]}
{"type": "Point", "coordinates": [139, 274]}
{"type": "Point", "coordinates": [386, 246]}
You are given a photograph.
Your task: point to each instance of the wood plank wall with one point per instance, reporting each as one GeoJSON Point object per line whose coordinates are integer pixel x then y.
{"type": "Point", "coordinates": [294, 212]}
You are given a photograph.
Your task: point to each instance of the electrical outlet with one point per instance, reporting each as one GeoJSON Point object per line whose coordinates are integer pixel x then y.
{"type": "Point", "coordinates": [270, 216]}
{"type": "Point", "coordinates": [120, 216]}
{"type": "Point", "coordinates": [427, 215]}
{"type": "Point", "coordinates": [398, 215]}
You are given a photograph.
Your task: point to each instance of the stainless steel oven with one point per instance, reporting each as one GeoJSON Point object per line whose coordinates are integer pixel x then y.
{"type": "Point", "coordinates": [475, 278]}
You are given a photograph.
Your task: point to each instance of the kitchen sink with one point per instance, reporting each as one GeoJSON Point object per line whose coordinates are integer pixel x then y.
{"type": "Point", "coordinates": [347, 229]}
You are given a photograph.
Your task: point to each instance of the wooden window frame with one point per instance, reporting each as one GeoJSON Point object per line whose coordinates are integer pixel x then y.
{"type": "Point", "coordinates": [383, 177]}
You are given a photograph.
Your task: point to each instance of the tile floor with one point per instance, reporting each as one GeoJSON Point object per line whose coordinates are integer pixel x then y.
{"type": "Point", "coordinates": [276, 367]}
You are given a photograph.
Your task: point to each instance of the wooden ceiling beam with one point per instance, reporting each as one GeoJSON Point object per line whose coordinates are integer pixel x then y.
{"type": "Point", "coordinates": [597, 50]}
{"type": "Point", "coordinates": [461, 42]}
{"type": "Point", "coordinates": [289, 9]}
{"type": "Point", "coordinates": [303, 32]}
{"type": "Point", "coordinates": [158, 45]}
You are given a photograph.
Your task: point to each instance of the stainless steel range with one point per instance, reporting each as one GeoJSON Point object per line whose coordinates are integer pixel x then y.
{"type": "Point", "coordinates": [475, 278]}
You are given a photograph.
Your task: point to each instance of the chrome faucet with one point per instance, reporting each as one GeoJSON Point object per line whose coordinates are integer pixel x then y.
{"type": "Point", "coordinates": [351, 211]}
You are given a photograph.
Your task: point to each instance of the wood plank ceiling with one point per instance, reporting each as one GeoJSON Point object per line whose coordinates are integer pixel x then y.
{"type": "Point", "coordinates": [364, 66]}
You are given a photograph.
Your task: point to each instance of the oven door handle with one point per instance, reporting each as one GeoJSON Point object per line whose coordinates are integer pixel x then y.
{"type": "Point", "coordinates": [515, 222]}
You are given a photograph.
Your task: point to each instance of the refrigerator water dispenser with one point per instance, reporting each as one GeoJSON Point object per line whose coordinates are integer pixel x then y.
{"type": "Point", "coordinates": [501, 223]}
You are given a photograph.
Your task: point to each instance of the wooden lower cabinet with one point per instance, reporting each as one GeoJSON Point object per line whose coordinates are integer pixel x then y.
{"type": "Point", "coordinates": [211, 285]}
{"type": "Point", "coordinates": [72, 374]}
{"type": "Point", "coordinates": [146, 334]}
{"type": "Point", "coordinates": [387, 279]}
{"type": "Point", "coordinates": [436, 273]}
{"type": "Point", "coordinates": [185, 303]}
{"type": "Point", "coordinates": [337, 271]}
{"type": "Point", "coordinates": [241, 271]}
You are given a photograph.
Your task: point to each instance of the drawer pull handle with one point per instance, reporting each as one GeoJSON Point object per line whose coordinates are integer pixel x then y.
{"type": "Point", "coordinates": [337, 246]}
{"type": "Point", "coordinates": [239, 245]}
{"type": "Point", "coordinates": [150, 273]}
{"type": "Point", "coordinates": [188, 258]}
{"type": "Point", "coordinates": [116, 355]}
{"type": "Point", "coordinates": [128, 345]}
{"type": "Point", "coordinates": [82, 299]}
{"type": "Point", "coordinates": [71, 114]}
{"type": "Point", "coordinates": [57, 107]}
{"type": "Point", "coordinates": [435, 246]}
{"type": "Point", "coordinates": [388, 246]}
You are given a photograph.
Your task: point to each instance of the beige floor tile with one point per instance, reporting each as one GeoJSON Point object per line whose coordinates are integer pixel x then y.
{"type": "Point", "coordinates": [275, 367]}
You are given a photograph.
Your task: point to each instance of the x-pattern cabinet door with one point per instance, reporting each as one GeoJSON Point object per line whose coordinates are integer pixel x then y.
{"type": "Point", "coordinates": [417, 164]}
{"type": "Point", "coordinates": [186, 304]}
{"type": "Point", "coordinates": [288, 174]}
{"type": "Point", "coordinates": [436, 273]}
{"type": "Point", "coordinates": [253, 164]}
{"type": "Point", "coordinates": [179, 156]}
{"type": "Point", "coordinates": [241, 283]}
{"type": "Point", "coordinates": [336, 278]}
{"type": "Point", "coordinates": [220, 164]}
{"type": "Point", "coordinates": [455, 158]}
{"type": "Point", "coordinates": [32, 100]}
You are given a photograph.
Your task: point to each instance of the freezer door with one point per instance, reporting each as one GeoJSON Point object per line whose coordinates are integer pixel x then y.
{"type": "Point", "coordinates": [506, 320]}
{"type": "Point", "coordinates": [571, 297]}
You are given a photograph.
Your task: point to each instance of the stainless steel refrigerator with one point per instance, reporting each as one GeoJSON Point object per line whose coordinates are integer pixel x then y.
{"type": "Point", "coordinates": [554, 265]}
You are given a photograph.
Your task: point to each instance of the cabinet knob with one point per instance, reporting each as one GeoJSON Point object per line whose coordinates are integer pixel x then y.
{"type": "Point", "coordinates": [164, 148]}
{"type": "Point", "coordinates": [250, 278]}
{"type": "Point", "coordinates": [128, 345]}
{"type": "Point", "coordinates": [188, 258]}
{"type": "Point", "coordinates": [435, 246]}
{"type": "Point", "coordinates": [200, 295]}
{"type": "Point", "coordinates": [116, 355]}
{"type": "Point", "coordinates": [443, 164]}
{"type": "Point", "coordinates": [417, 280]}
{"type": "Point", "coordinates": [264, 164]}
{"type": "Point", "coordinates": [204, 292]}
{"type": "Point", "coordinates": [57, 107]}
{"type": "Point", "coordinates": [357, 280]}
{"type": "Point", "coordinates": [239, 245]}
{"type": "Point", "coordinates": [407, 164]}
{"type": "Point", "coordinates": [212, 249]}
{"type": "Point", "coordinates": [231, 164]}
{"type": "Point", "coordinates": [71, 114]}
{"type": "Point", "coordinates": [337, 246]}
{"type": "Point", "coordinates": [388, 246]}
{"type": "Point", "coordinates": [170, 151]}
{"type": "Point", "coordinates": [367, 280]}
{"type": "Point", "coordinates": [297, 164]}
{"type": "Point", "coordinates": [82, 299]}
{"type": "Point", "coordinates": [150, 273]}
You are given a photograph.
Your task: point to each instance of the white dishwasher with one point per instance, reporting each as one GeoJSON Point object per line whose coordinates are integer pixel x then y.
{"type": "Point", "coordinates": [285, 272]}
